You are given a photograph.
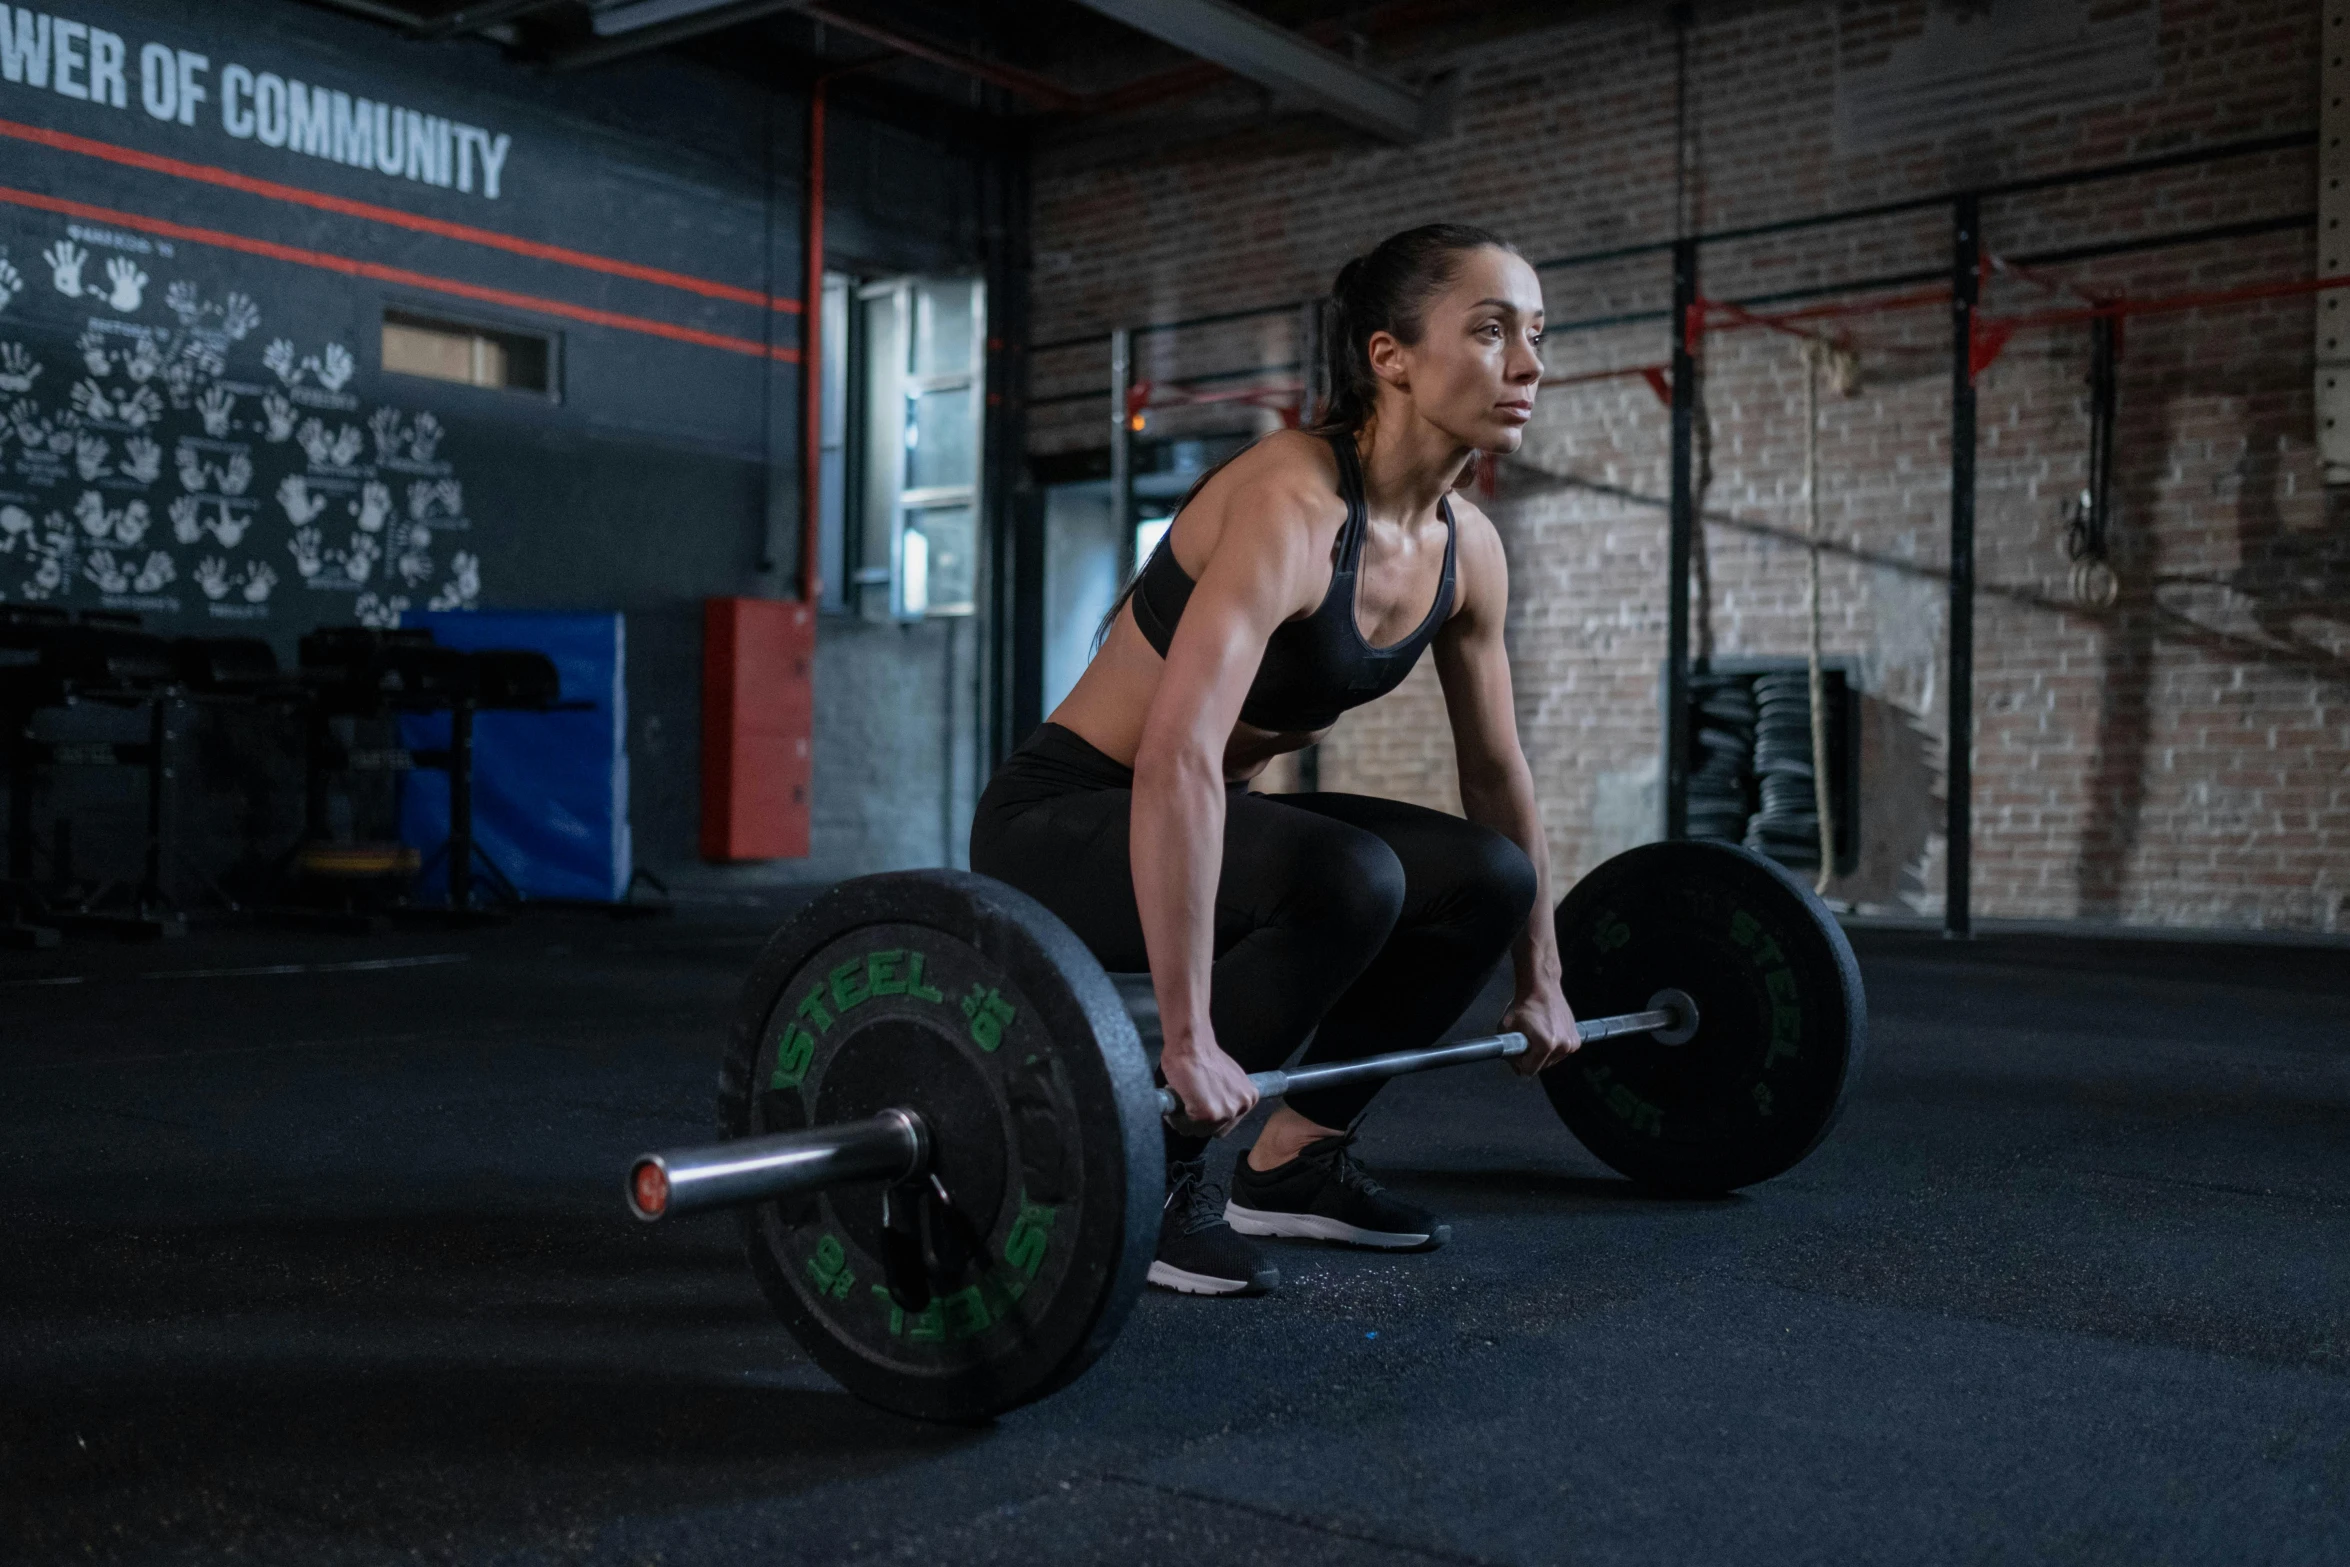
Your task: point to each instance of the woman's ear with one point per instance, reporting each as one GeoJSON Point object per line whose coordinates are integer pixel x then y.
{"type": "Point", "coordinates": [1387, 358]}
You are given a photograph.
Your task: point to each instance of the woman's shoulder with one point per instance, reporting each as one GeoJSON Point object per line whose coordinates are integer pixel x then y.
{"type": "Point", "coordinates": [1284, 459]}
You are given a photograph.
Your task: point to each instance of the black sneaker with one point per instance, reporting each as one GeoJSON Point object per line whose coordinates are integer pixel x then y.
{"type": "Point", "coordinates": [1325, 1194]}
{"type": "Point", "coordinates": [1198, 1253]}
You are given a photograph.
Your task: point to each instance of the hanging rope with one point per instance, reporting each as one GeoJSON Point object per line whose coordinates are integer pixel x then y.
{"type": "Point", "coordinates": [1844, 370]}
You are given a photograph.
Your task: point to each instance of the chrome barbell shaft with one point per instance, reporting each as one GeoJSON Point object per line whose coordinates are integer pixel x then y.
{"type": "Point", "coordinates": [1398, 1063]}
{"type": "Point", "coordinates": [889, 1147]}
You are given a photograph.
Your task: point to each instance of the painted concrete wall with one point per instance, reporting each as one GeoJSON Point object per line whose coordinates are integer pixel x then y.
{"type": "Point", "coordinates": [202, 431]}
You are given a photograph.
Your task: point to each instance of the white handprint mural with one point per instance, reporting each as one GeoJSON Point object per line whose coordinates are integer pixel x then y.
{"type": "Point", "coordinates": [259, 579]}
{"type": "Point", "coordinates": [192, 470]}
{"type": "Point", "coordinates": [228, 525]}
{"type": "Point", "coordinates": [430, 498]}
{"type": "Point", "coordinates": [463, 586]}
{"type": "Point", "coordinates": [314, 440]}
{"type": "Point", "coordinates": [335, 367]}
{"type": "Point", "coordinates": [90, 453]}
{"type": "Point", "coordinates": [102, 569]}
{"type": "Point", "coordinates": [90, 512]}
{"type": "Point", "coordinates": [424, 437]}
{"type": "Point", "coordinates": [239, 316]}
{"type": "Point", "coordinates": [91, 402]}
{"type": "Point", "coordinates": [126, 285]}
{"type": "Point", "coordinates": [373, 507]}
{"type": "Point", "coordinates": [237, 476]}
{"type": "Point", "coordinates": [216, 407]}
{"type": "Point", "coordinates": [11, 281]}
{"type": "Point", "coordinates": [18, 368]}
{"type": "Point", "coordinates": [155, 573]}
{"type": "Point", "coordinates": [139, 410]}
{"type": "Point", "coordinates": [415, 561]}
{"type": "Point", "coordinates": [384, 425]}
{"type": "Point", "coordinates": [131, 523]}
{"type": "Point", "coordinates": [211, 575]}
{"type": "Point", "coordinates": [281, 416]}
{"type": "Point", "coordinates": [47, 578]}
{"type": "Point", "coordinates": [96, 357]}
{"type": "Point", "coordinates": [303, 546]}
{"type": "Point", "coordinates": [348, 444]}
{"type": "Point", "coordinates": [16, 526]}
{"type": "Point", "coordinates": [143, 361]}
{"type": "Point", "coordinates": [383, 613]}
{"type": "Point", "coordinates": [187, 519]}
{"type": "Point", "coordinates": [359, 560]}
{"type": "Point", "coordinates": [142, 460]}
{"type": "Point", "coordinates": [183, 299]}
{"type": "Point", "coordinates": [293, 493]}
{"type": "Point", "coordinates": [65, 260]}
{"type": "Point", "coordinates": [278, 359]}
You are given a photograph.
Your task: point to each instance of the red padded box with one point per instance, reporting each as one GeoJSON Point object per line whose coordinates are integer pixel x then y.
{"type": "Point", "coordinates": [758, 723]}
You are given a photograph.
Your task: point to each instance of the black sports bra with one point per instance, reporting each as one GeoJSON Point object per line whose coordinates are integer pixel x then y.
{"type": "Point", "coordinates": [1315, 668]}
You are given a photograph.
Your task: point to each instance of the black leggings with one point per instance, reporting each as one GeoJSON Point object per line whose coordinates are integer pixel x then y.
{"type": "Point", "coordinates": [1368, 924]}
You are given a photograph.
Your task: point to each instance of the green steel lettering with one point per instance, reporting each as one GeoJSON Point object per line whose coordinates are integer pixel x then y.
{"type": "Point", "coordinates": [848, 985]}
{"type": "Point", "coordinates": [791, 1057]}
{"type": "Point", "coordinates": [914, 985]}
{"type": "Point", "coordinates": [812, 1008]}
{"type": "Point", "coordinates": [1031, 1233]}
{"type": "Point", "coordinates": [881, 972]}
{"type": "Point", "coordinates": [829, 1267]}
{"type": "Point", "coordinates": [965, 1313]}
{"type": "Point", "coordinates": [990, 1015]}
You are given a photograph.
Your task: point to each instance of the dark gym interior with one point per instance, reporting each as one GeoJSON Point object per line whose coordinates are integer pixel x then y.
{"type": "Point", "coordinates": [506, 505]}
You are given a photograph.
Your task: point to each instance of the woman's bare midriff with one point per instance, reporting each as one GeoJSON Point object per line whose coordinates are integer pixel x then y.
{"type": "Point", "coordinates": [1107, 707]}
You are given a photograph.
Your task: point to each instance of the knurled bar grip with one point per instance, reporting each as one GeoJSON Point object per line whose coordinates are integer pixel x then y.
{"type": "Point", "coordinates": [1397, 1063]}
{"type": "Point", "coordinates": [890, 1147]}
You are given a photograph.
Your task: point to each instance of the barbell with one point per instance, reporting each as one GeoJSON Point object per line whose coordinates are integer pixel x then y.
{"type": "Point", "coordinates": [941, 1128]}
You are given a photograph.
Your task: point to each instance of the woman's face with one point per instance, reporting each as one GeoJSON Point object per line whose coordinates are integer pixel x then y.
{"type": "Point", "coordinates": [1473, 372]}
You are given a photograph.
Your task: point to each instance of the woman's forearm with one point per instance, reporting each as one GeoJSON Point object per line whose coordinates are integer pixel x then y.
{"type": "Point", "coordinates": [1176, 837]}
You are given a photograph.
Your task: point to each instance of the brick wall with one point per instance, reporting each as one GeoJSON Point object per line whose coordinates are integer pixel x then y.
{"type": "Point", "coordinates": [2182, 757]}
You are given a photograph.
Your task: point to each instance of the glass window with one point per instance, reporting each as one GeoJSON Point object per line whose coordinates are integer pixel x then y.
{"type": "Point", "coordinates": [440, 350]}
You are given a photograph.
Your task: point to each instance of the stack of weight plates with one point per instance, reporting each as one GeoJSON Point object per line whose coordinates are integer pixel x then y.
{"type": "Point", "coordinates": [1721, 778]}
{"type": "Point", "coordinates": [1787, 828]}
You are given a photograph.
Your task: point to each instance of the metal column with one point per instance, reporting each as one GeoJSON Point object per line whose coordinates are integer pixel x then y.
{"type": "Point", "coordinates": [1965, 283]}
{"type": "Point", "coordinates": [1121, 452]}
{"type": "Point", "coordinates": [1683, 536]}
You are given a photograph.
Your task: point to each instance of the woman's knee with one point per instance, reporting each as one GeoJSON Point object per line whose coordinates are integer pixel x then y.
{"type": "Point", "coordinates": [1497, 883]}
{"type": "Point", "coordinates": [1348, 884]}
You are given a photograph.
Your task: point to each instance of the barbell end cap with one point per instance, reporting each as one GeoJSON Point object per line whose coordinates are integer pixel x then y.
{"type": "Point", "coordinates": [648, 1188]}
{"type": "Point", "coordinates": [1684, 1007]}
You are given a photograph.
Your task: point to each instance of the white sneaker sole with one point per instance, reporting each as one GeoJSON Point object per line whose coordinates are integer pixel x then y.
{"type": "Point", "coordinates": [1314, 1227]}
{"type": "Point", "coordinates": [1187, 1283]}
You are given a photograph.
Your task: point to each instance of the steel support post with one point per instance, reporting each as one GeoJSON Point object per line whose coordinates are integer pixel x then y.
{"type": "Point", "coordinates": [1683, 531]}
{"type": "Point", "coordinates": [1965, 285]}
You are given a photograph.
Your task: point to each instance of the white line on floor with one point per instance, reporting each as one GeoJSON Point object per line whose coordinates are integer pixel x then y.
{"type": "Point", "coordinates": [359, 965]}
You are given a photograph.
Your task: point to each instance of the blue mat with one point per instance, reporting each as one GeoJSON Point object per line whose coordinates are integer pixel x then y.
{"type": "Point", "coordinates": [550, 790]}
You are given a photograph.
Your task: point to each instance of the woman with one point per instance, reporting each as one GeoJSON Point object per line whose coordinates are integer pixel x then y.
{"type": "Point", "coordinates": [1300, 579]}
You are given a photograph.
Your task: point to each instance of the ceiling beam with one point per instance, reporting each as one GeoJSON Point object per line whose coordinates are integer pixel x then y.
{"type": "Point", "coordinates": [1296, 67]}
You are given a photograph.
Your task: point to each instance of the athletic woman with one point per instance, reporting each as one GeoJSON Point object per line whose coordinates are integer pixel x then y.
{"type": "Point", "coordinates": [1298, 580]}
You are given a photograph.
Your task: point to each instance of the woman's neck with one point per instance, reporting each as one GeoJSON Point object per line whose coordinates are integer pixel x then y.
{"type": "Point", "coordinates": [1408, 466]}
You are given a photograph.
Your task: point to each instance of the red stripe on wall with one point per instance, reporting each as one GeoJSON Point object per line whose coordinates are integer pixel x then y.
{"type": "Point", "coordinates": [208, 174]}
{"type": "Point", "coordinates": [329, 262]}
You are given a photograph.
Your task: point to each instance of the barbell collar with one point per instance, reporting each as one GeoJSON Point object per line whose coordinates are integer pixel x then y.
{"type": "Point", "coordinates": [892, 1146]}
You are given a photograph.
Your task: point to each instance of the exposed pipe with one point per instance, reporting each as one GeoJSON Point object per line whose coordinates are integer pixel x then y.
{"type": "Point", "coordinates": [812, 357]}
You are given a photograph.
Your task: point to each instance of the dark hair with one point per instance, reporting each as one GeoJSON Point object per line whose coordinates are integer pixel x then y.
{"type": "Point", "coordinates": [1383, 290]}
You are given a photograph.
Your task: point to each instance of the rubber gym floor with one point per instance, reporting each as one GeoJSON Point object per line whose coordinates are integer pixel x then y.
{"type": "Point", "coordinates": [316, 1254]}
